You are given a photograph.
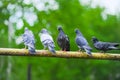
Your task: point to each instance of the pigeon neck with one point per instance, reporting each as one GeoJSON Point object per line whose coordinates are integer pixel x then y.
{"type": "Point", "coordinates": [61, 31]}
{"type": "Point", "coordinates": [45, 33]}
{"type": "Point", "coordinates": [95, 41]}
{"type": "Point", "coordinates": [27, 31]}
{"type": "Point", "coordinates": [79, 34]}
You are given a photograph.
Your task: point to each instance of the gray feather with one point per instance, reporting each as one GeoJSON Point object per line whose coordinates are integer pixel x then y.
{"type": "Point", "coordinates": [28, 39]}
{"type": "Point", "coordinates": [63, 40]}
{"type": "Point", "coordinates": [104, 46]}
{"type": "Point", "coordinates": [82, 42]}
{"type": "Point", "coordinates": [47, 40]}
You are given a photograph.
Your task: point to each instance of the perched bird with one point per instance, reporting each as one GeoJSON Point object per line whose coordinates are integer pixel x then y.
{"type": "Point", "coordinates": [63, 40]}
{"type": "Point", "coordinates": [28, 39]}
{"type": "Point", "coordinates": [47, 40]}
{"type": "Point", "coordinates": [82, 42]}
{"type": "Point", "coordinates": [104, 46]}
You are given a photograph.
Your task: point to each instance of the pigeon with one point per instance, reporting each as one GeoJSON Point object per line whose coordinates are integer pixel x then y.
{"type": "Point", "coordinates": [63, 40]}
{"type": "Point", "coordinates": [82, 42]}
{"type": "Point", "coordinates": [47, 40]}
{"type": "Point", "coordinates": [28, 39]}
{"type": "Point", "coordinates": [104, 46]}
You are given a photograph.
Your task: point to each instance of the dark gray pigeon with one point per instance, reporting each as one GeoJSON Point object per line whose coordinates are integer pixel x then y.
{"type": "Point", "coordinates": [63, 40]}
{"type": "Point", "coordinates": [47, 40]}
{"type": "Point", "coordinates": [104, 46]}
{"type": "Point", "coordinates": [82, 42]}
{"type": "Point", "coordinates": [28, 39]}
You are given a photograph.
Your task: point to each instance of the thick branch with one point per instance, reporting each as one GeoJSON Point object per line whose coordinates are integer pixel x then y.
{"type": "Point", "coordinates": [60, 54]}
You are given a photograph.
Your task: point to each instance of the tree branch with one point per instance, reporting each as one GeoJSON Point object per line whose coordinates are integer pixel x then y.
{"type": "Point", "coordinates": [60, 54]}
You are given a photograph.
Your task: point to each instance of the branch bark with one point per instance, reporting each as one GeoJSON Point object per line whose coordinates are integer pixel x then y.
{"type": "Point", "coordinates": [60, 54]}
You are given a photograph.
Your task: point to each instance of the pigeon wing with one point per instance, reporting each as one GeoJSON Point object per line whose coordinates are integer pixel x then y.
{"type": "Point", "coordinates": [28, 39]}
{"type": "Point", "coordinates": [81, 41]}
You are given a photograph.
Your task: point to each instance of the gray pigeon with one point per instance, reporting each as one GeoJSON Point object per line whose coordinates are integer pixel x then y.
{"type": "Point", "coordinates": [63, 40]}
{"type": "Point", "coordinates": [82, 42]}
{"type": "Point", "coordinates": [47, 40]}
{"type": "Point", "coordinates": [28, 39]}
{"type": "Point", "coordinates": [104, 46]}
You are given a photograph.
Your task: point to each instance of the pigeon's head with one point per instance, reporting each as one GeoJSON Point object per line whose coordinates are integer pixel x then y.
{"type": "Point", "coordinates": [59, 28]}
{"type": "Point", "coordinates": [44, 31]}
{"type": "Point", "coordinates": [94, 39]}
{"type": "Point", "coordinates": [77, 31]}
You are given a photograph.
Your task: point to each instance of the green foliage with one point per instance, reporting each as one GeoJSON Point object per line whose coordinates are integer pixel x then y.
{"type": "Point", "coordinates": [71, 14]}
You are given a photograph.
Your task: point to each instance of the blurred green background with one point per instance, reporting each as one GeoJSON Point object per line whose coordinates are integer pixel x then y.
{"type": "Point", "coordinates": [70, 14]}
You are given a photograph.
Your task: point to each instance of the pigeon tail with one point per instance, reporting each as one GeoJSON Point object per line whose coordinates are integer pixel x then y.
{"type": "Point", "coordinates": [114, 48]}
{"type": "Point", "coordinates": [31, 50]}
{"type": "Point", "coordinates": [51, 49]}
{"type": "Point", "coordinates": [116, 44]}
{"type": "Point", "coordinates": [88, 50]}
{"type": "Point", "coordinates": [118, 49]}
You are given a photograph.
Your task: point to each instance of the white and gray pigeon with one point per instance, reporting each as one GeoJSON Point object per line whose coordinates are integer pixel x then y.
{"type": "Point", "coordinates": [82, 42]}
{"type": "Point", "coordinates": [63, 40]}
{"type": "Point", "coordinates": [28, 39]}
{"type": "Point", "coordinates": [104, 46]}
{"type": "Point", "coordinates": [47, 40]}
